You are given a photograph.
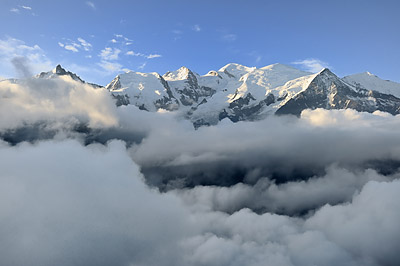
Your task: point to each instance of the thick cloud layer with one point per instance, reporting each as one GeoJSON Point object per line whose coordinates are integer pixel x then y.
{"type": "Point", "coordinates": [64, 204]}
{"type": "Point", "coordinates": [279, 148]}
{"type": "Point", "coordinates": [76, 205]}
{"type": "Point", "coordinates": [61, 102]}
{"type": "Point", "coordinates": [291, 198]}
{"type": "Point", "coordinates": [321, 189]}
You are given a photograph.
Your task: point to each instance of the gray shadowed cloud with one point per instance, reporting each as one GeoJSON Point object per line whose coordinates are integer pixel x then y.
{"type": "Point", "coordinates": [321, 189]}
{"type": "Point", "coordinates": [279, 148]}
{"type": "Point", "coordinates": [59, 101]}
{"type": "Point", "coordinates": [20, 64]}
{"type": "Point", "coordinates": [101, 213]}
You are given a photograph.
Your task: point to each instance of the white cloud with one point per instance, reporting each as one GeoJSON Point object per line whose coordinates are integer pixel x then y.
{"type": "Point", "coordinates": [150, 56]}
{"type": "Point", "coordinates": [22, 7]}
{"type": "Point", "coordinates": [177, 32]}
{"type": "Point", "coordinates": [11, 48]}
{"type": "Point", "coordinates": [91, 5]}
{"type": "Point", "coordinates": [67, 197]}
{"type": "Point", "coordinates": [26, 7]}
{"type": "Point", "coordinates": [312, 64]}
{"type": "Point", "coordinates": [125, 40]}
{"type": "Point", "coordinates": [196, 28]}
{"type": "Point", "coordinates": [134, 54]}
{"type": "Point", "coordinates": [142, 66]}
{"type": "Point", "coordinates": [109, 53]}
{"type": "Point", "coordinates": [86, 45]}
{"type": "Point", "coordinates": [75, 47]}
{"type": "Point", "coordinates": [110, 66]}
{"type": "Point", "coordinates": [59, 99]}
{"type": "Point", "coordinates": [229, 37]}
{"type": "Point", "coordinates": [72, 48]}
{"type": "Point", "coordinates": [65, 188]}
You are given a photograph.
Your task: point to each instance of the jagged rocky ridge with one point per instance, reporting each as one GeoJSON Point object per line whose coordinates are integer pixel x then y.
{"type": "Point", "coordinates": [60, 71]}
{"type": "Point", "coordinates": [241, 93]}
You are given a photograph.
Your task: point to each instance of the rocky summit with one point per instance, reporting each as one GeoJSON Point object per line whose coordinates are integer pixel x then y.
{"type": "Point", "coordinates": [241, 93]}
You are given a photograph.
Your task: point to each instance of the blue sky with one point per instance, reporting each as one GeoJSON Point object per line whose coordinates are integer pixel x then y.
{"type": "Point", "coordinates": [98, 39]}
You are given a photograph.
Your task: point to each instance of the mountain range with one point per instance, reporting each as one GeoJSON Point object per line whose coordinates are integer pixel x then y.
{"type": "Point", "coordinates": [239, 93]}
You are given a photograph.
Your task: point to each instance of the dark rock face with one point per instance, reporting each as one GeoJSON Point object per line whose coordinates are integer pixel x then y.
{"type": "Point", "coordinates": [60, 71]}
{"type": "Point", "coordinates": [121, 99]}
{"type": "Point", "coordinates": [325, 91]}
{"type": "Point", "coordinates": [243, 109]}
{"type": "Point", "coordinates": [192, 91]}
{"type": "Point", "coordinates": [169, 103]}
{"type": "Point", "coordinates": [330, 92]}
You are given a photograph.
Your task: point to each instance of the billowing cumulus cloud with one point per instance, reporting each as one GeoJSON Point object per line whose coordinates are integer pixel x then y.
{"type": "Point", "coordinates": [279, 148]}
{"type": "Point", "coordinates": [86, 183]}
{"type": "Point", "coordinates": [34, 57]}
{"type": "Point", "coordinates": [70, 205]}
{"type": "Point", "coordinates": [76, 205]}
{"type": "Point", "coordinates": [338, 185]}
{"type": "Point", "coordinates": [109, 53]}
{"type": "Point", "coordinates": [58, 100]}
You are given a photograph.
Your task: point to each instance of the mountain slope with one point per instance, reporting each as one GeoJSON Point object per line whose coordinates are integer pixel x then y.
{"type": "Point", "coordinates": [241, 93]}
{"type": "Point", "coordinates": [330, 92]}
{"type": "Point", "coordinates": [372, 82]}
{"type": "Point", "coordinates": [149, 92]}
{"type": "Point", "coordinates": [60, 71]}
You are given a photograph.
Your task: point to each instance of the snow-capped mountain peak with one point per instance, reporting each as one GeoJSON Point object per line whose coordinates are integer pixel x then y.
{"type": "Point", "coordinates": [239, 92]}
{"type": "Point", "coordinates": [371, 82]}
{"type": "Point", "coordinates": [180, 74]}
{"type": "Point", "coordinates": [234, 70]}
{"type": "Point", "coordinates": [59, 71]}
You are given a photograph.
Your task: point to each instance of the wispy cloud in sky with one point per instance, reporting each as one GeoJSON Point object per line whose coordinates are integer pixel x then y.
{"type": "Point", "coordinates": [21, 7]}
{"type": "Point", "coordinates": [109, 53]}
{"type": "Point", "coordinates": [122, 39]}
{"type": "Point", "coordinates": [86, 45]}
{"type": "Point", "coordinates": [15, 10]}
{"type": "Point", "coordinates": [196, 28]}
{"type": "Point", "coordinates": [71, 48]}
{"type": "Point", "coordinates": [34, 57]}
{"type": "Point", "coordinates": [142, 66]}
{"type": "Point", "coordinates": [91, 5]}
{"type": "Point", "coordinates": [178, 32]}
{"type": "Point", "coordinates": [110, 66]}
{"type": "Point", "coordinates": [229, 37]}
{"type": "Point", "coordinates": [26, 7]}
{"type": "Point", "coordinates": [74, 46]}
{"type": "Point", "coordinates": [150, 56]}
{"type": "Point", "coordinates": [312, 64]}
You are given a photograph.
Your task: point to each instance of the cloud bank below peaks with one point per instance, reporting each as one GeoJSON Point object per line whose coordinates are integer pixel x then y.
{"type": "Point", "coordinates": [279, 148]}
{"type": "Point", "coordinates": [321, 189]}
{"type": "Point", "coordinates": [77, 205]}
{"type": "Point", "coordinates": [59, 100]}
